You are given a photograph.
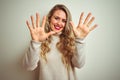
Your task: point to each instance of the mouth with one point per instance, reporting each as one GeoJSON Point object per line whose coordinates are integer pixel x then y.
{"type": "Point", "coordinates": [57, 27]}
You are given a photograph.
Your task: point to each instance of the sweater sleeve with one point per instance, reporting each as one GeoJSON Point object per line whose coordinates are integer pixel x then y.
{"type": "Point", "coordinates": [78, 60]}
{"type": "Point", "coordinates": [31, 58]}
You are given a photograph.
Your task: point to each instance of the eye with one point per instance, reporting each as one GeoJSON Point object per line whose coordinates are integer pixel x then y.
{"type": "Point", "coordinates": [64, 21]}
{"type": "Point", "coordinates": [57, 18]}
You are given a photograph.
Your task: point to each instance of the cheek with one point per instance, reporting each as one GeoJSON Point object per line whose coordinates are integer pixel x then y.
{"type": "Point", "coordinates": [64, 25]}
{"type": "Point", "coordinates": [52, 22]}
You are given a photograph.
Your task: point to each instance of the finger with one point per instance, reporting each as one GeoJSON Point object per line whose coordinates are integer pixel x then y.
{"type": "Point", "coordinates": [28, 25]}
{"type": "Point", "coordinates": [37, 20]}
{"type": "Point", "coordinates": [92, 28]}
{"type": "Point", "coordinates": [43, 21]}
{"type": "Point", "coordinates": [32, 20]}
{"type": "Point", "coordinates": [81, 18]}
{"type": "Point", "coordinates": [87, 18]}
{"type": "Point", "coordinates": [90, 22]}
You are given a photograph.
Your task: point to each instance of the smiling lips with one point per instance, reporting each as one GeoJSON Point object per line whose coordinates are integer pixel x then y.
{"type": "Point", "coordinates": [57, 27]}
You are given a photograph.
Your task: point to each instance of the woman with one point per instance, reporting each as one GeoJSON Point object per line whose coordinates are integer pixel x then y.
{"type": "Point", "coordinates": [57, 45]}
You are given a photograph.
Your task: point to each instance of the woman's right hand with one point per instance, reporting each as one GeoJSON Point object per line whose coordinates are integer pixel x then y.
{"type": "Point", "coordinates": [38, 33]}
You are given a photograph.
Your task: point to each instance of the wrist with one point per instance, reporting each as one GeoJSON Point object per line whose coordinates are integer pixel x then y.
{"type": "Point", "coordinates": [80, 40]}
{"type": "Point", "coordinates": [35, 40]}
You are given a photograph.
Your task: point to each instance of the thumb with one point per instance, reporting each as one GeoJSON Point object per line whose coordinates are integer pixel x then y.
{"type": "Point", "coordinates": [73, 26]}
{"type": "Point", "coordinates": [51, 33]}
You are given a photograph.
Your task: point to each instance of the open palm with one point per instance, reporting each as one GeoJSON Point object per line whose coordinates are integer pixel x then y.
{"type": "Point", "coordinates": [83, 28]}
{"type": "Point", "coordinates": [38, 33]}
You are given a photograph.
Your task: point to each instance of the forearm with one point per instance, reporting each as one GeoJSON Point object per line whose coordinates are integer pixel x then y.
{"type": "Point", "coordinates": [31, 57]}
{"type": "Point", "coordinates": [78, 60]}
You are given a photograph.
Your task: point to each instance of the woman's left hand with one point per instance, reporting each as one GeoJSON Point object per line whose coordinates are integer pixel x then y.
{"type": "Point", "coordinates": [83, 28]}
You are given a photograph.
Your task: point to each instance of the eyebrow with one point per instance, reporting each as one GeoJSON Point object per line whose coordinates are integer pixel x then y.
{"type": "Point", "coordinates": [59, 17]}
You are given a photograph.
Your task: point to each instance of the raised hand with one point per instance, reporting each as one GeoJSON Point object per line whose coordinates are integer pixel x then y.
{"type": "Point", "coordinates": [37, 33]}
{"type": "Point", "coordinates": [83, 28]}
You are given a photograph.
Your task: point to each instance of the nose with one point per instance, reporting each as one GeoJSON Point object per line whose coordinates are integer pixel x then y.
{"type": "Point", "coordinates": [59, 22]}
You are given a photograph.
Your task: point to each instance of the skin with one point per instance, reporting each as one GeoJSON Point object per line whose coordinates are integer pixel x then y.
{"type": "Point", "coordinates": [57, 23]}
{"type": "Point", "coordinates": [84, 27]}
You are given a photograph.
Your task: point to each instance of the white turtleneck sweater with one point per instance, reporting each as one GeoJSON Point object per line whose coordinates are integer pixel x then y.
{"type": "Point", "coordinates": [54, 69]}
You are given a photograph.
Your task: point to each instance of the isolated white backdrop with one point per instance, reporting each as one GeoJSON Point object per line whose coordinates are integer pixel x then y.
{"type": "Point", "coordinates": [102, 45]}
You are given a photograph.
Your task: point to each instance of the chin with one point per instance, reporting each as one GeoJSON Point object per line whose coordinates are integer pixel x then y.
{"type": "Point", "coordinates": [58, 32]}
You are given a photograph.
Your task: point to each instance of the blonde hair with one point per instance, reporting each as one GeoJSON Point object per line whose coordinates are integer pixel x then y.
{"type": "Point", "coordinates": [66, 45]}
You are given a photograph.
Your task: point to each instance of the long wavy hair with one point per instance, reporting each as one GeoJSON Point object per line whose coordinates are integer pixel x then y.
{"type": "Point", "coordinates": [66, 45]}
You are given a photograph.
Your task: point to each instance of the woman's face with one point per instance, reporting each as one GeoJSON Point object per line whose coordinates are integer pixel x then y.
{"type": "Point", "coordinates": [58, 21]}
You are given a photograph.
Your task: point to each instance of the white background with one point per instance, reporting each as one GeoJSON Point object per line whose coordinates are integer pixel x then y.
{"type": "Point", "coordinates": [102, 45]}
